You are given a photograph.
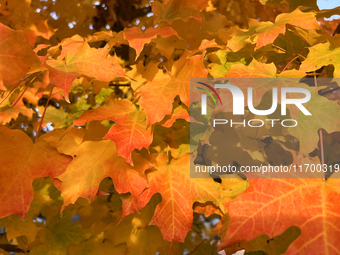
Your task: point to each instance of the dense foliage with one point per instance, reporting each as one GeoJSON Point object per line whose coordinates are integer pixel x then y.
{"type": "Point", "coordinates": [95, 133]}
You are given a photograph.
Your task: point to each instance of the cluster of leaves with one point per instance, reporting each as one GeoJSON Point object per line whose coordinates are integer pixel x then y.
{"type": "Point", "coordinates": [95, 135]}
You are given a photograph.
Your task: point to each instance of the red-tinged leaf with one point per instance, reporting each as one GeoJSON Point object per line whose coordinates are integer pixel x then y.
{"type": "Point", "coordinates": [16, 56]}
{"type": "Point", "coordinates": [79, 59]}
{"type": "Point", "coordinates": [129, 132]}
{"type": "Point", "coordinates": [62, 78]}
{"type": "Point", "coordinates": [163, 89]}
{"type": "Point", "coordinates": [128, 205]}
{"type": "Point", "coordinates": [92, 162]}
{"type": "Point", "coordinates": [174, 214]}
{"type": "Point", "coordinates": [22, 161]}
{"type": "Point", "coordinates": [270, 206]}
{"type": "Point", "coordinates": [137, 39]}
{"type": "Point", "coordinates": [171, 10]}
{"type": "Point", "coordinates": [264, 33]}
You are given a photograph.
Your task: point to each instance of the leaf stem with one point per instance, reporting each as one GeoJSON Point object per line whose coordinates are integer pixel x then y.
{"type": "Point", "coordinates": [26, 87]}
{"type": "Point", "coordinates": [42, 117]}
{"type": "Point", "coordinates": [288, 52]}
{"type": "Point", "coordinates": [33, 79]}
{"type": "Point", "coordinates": [321, 143]}
{"type": "Point", "coordinates": [289, 63]}
{"type": "Point", "coordinates": [15, 86]}
{"type": "Point", "coordinates": [162, 64]}
{"type": "Point", "coordinates": [322, 155]}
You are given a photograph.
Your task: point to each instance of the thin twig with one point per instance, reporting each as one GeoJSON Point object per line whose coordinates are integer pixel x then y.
{"type": "Point", "coordinates": [42, 117]}
{"type": "Point", "coordinates": [33, 79]}
{"type": "Point", "coordinates": [288, 52]}
{"type": "Point", "coordinates": [322, 155]}
{"type": "Point", "coordinates": [289, 64]}
{"type": "Point", "coordinates": [26, 87]}
{"type": "Point", "coordinates": [290, 43]}
{"type": "Point", "coordinates": [121, 85]}
{"type": "Point", "coordinates": [321, 143]}
{"type": "Point", "coordinates": [15, 86]}
{"type": "Point", "coordinates": [162, 64]}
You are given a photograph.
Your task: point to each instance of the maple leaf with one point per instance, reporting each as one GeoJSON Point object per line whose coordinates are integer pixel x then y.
{"type": "Point", "coordinates": [57, 239]}
{"type": "Point", "coordinates": [16, 56]}
{"type": "Point", "coordinates": [22, 162]}
{"type": "Point", "coordinates": [171, 10]}
{"type": "Point", "coordinates": [167, 45]}
{"type": "Point", "coordinates": [89, 167]}
{"type": "Point", "coordinates": [79, 59]}
{"type": "Point", "coordinates": [15, 226]}
{"type": "Point", "coordinates": [270, 206]}
{"type": "Point", "coordinates": [20, 16]}
{"type": "Point", "coordinates": [65, 141]}
{"type": "Point", "coordinates": [189, 45]}
{"type": "Point", "coordinates": [320, 55]}
{"type": "Point", "coordinates": [174, 214]}
{"type": "Point", "coordinates": [179, 112]}
{"type": "Point", "coordinates": [58, 117]}
{"type": "Point", "coordinates": [263, 33]}
{"type": "Point", "coordinates": [220, 65]}
{"type": "Point", "coordinates": [12, 113]}
{"type": "Point", "coordinates": [129, 132]}
{"type": "Point", "coordinates": [133, 230]}
{"type": "Point", "coordinates": [35, 26]}
{"type": "Point", "coordinates": [137, 39]}
{"type": "Point", "coordinates": [141, 73]}
{"type": "Point", "coordinates": [323, 111]}
{"type": "Point", "coordinates": [163, 89]}
{"type": "Point", "coordinates": [62, 79]}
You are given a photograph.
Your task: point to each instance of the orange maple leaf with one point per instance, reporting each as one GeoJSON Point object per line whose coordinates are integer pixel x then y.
{"type": "Point", "coordinates": [79, 59]}
{"type": "Point", "coordinates": [92, 162]}
{"type": "Point", "coordinates": [129, 132]}
{"type": "Point", "coordinates": [162, 91]}
{"type": "Point", "coordinates": [16, 56]}
{"type": "Point", "coordinates": [137, 39]}
{"type": "Point", "coordinates": [270, 206]}
{"type": "Point", "coordinates": [174, 215]}
{"type": "Point", "coordinates": [23, 161]}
